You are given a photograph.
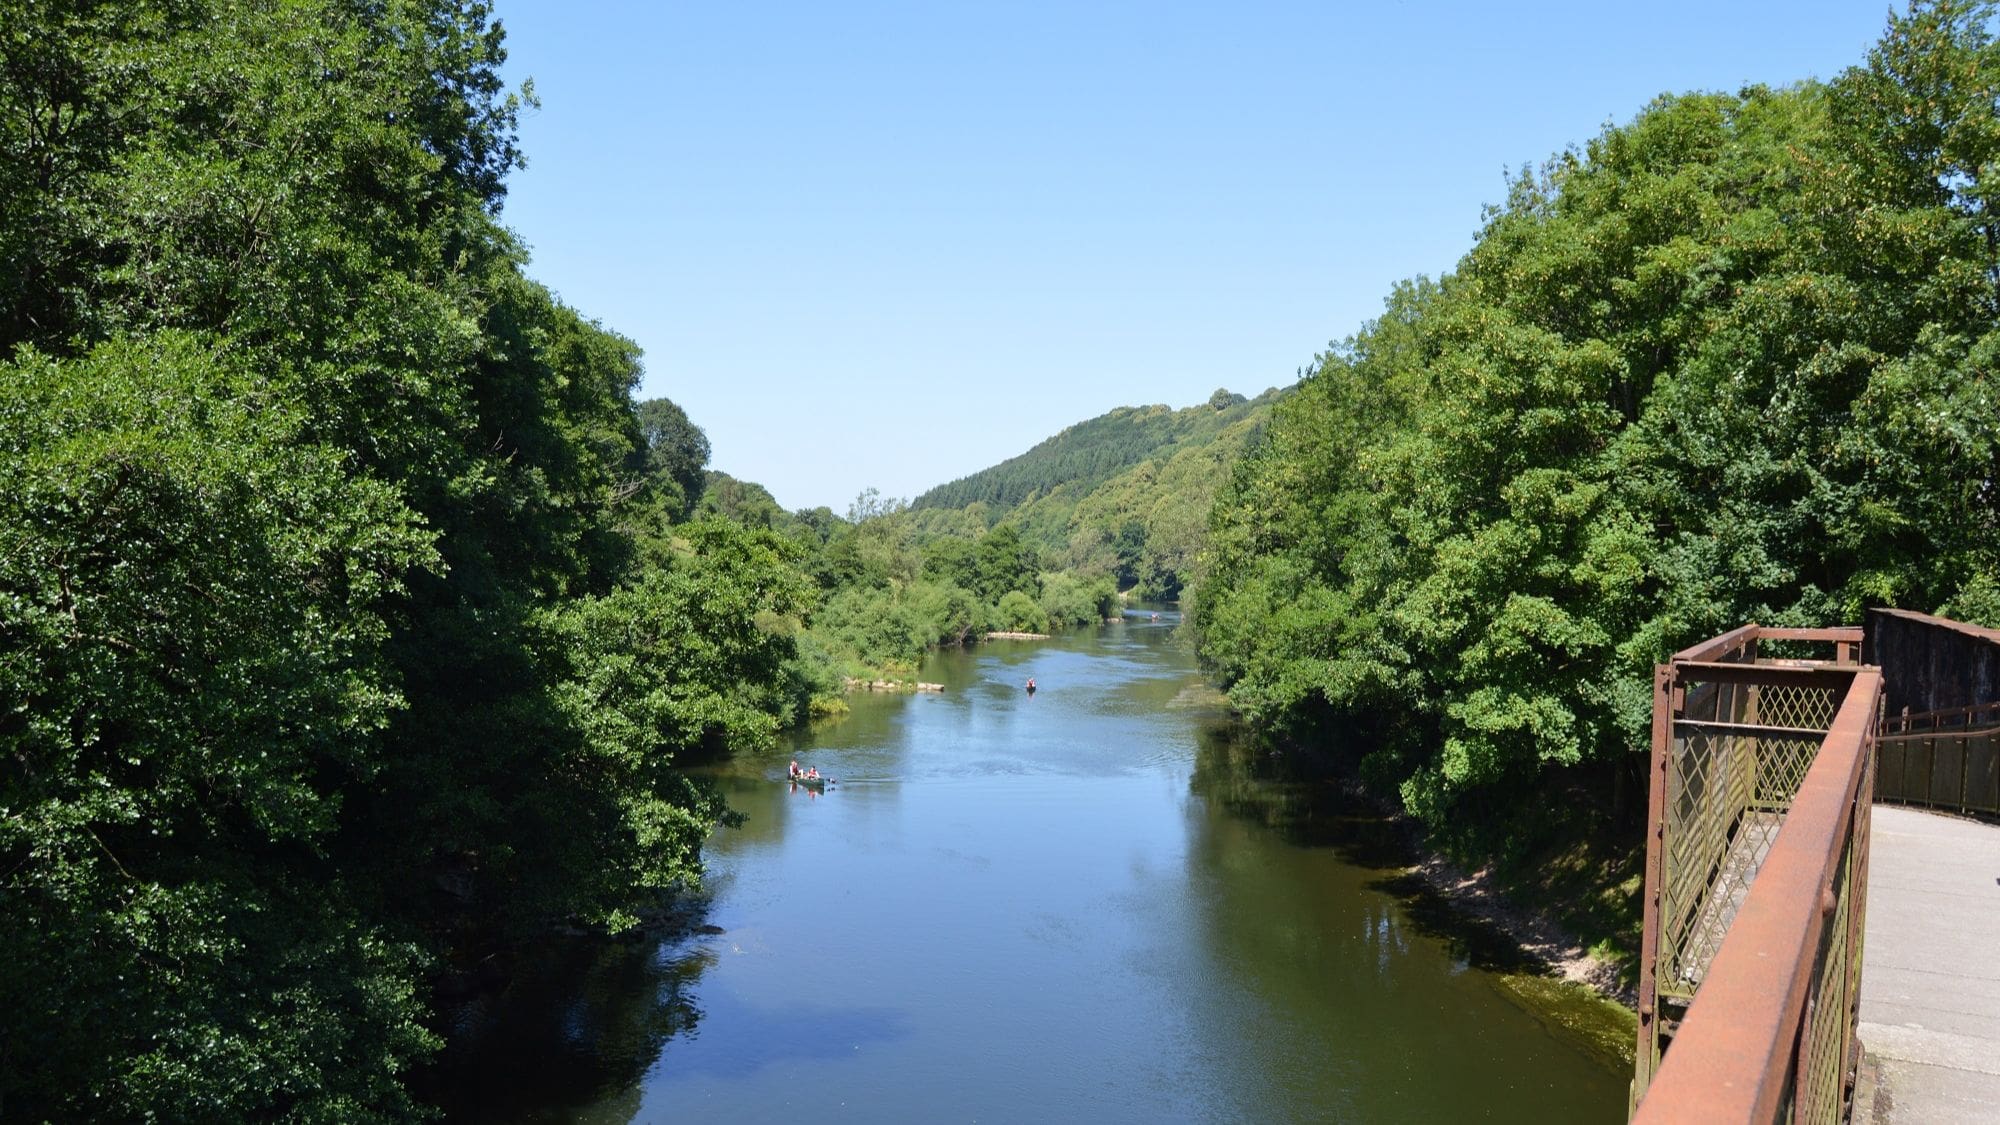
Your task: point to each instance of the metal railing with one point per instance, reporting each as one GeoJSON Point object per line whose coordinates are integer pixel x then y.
{"type": "Point", "coordinates": [1942, 759]}
{"type": "Point", "coordinates": [1762, 774]}
{"type": "Point", "coordinates": [1940, 743]}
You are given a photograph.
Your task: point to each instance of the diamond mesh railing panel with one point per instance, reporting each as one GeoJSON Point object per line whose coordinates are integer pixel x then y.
{"type": "Point", "coordinates": [1781, 767]}
{"type": "Point", "coordinates": [1725, 797]}
{"type": "Point", "coordinates": [1807, 708]}
{"type": "Point", "coordinates": [1702, 812]}
{"type": "Point", "coordinates": [1819, 1095]}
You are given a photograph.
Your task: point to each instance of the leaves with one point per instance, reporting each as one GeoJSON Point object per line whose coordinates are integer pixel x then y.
{"type": "Point", "coordinates": [332, 634]}
{"type": "Point", "coordinates": [1730, 362]}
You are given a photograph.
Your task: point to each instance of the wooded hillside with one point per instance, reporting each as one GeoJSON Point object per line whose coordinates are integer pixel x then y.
{"type": "Point", "coordinates": [1126, 493]}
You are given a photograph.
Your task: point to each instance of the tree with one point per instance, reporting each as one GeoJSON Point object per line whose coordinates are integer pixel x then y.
{"type": "Point", "coordinates": [1018, 612]}
{"type": "Point", "coordinates": [1728, 362]}
{"type": "Point", "coordinates": [189, 639]}
{"type": "Point", "coordinates": [676, 452]}
{"type": "Point", "coordinates": [318, 577]}
{"type": "Point", "coordinates": [1002, 563]}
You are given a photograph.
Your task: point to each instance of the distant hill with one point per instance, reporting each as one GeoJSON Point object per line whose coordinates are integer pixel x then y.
{"type": "Point", "coordinates": [1126, 493]}
{"type": "Point", "coordinates": [1087, 454]}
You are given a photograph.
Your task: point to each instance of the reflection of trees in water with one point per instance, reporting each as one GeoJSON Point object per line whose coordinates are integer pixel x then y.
{"type": "Point", "coordinates": [1336, 986]}
{"type": "Point", "coordinates": [581, 1020]}
{"type": "Point", "coordinates": [1303, 796]}
{"type": "Point", "coordinates": [1297, 792]}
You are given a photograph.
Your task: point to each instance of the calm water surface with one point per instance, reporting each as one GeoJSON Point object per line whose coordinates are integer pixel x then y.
{"type": "Point", "coordinates": [1095, 904]}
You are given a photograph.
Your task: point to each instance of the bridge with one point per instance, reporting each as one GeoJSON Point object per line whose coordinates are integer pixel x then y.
{"type": "Point", "coordinates": [1769, 990]}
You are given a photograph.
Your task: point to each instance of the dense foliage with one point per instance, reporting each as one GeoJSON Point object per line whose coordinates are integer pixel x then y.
{"type": "Point", "coordinates": [1115, 503]}
{"type": "Point", "coordinates": [1732, 361]}
{"type": "Point", "coordinates": [347, 619]}
{"type": "Point", "coordinates": [1125, 494]}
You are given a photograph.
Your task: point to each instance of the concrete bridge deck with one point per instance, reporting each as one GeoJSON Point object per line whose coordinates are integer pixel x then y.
{"type": "Point", "coordinates": [1930, 979]}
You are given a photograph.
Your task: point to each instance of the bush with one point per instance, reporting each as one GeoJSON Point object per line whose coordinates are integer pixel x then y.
{"type": "Point", "coordinates": [1017, 612]}
{"type": "Point", "coordinates": [1070, 600]}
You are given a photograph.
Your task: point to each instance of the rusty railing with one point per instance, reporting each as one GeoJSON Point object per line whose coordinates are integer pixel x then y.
{"type": "Point", "coordinates": [1750, 962]}
{"type": "Point", "coordinates": [1940, 741]}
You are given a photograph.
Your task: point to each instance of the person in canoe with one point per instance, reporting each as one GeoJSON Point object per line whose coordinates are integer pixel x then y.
{"type": "Point", "coordinates": [1031, 685]}
{"type": "Point", "coordinates": [813, 773]}
{"type": "Point", "coordinates": [793, 772]}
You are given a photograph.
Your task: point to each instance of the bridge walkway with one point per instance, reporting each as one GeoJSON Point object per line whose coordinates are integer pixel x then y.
{"type": "Point", "coordinates": [1930, 982]}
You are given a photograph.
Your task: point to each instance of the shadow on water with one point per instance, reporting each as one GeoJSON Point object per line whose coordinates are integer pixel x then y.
{"type": "Point", "coordinates": [1474, 941]}
{"type": "Point", "coordinates": [579, 1019]}
{"type": "Point", "coordinates": [1295, 794]}
{"type": "Point", "coordinates": [1303, 798]}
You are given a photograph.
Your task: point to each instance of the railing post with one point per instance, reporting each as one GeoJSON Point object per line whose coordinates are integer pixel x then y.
{"type": "Point", "coordinates": [1748, 1046]}
{"type": "Point", "coordinates": [1665, 689]}
{"type": "Point", "coordinates": [1857, 909]}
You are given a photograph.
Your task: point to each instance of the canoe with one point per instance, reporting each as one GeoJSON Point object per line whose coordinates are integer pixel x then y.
{"type": "Point", "coordinates": [812, 782]}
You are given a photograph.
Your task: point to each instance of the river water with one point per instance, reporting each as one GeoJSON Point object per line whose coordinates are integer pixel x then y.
{"type": "Point", "coordinates": [1098, 903]}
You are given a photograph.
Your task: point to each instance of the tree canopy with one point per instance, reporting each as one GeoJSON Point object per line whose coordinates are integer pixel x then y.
{"type": "Point", "coordinates": [1731, 361]}
{"type": "Point", "coordinates": [338, 634]}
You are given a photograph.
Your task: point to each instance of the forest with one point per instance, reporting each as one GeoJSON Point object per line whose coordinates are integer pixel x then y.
{"type": "Point", "coordinates": [1731, 361]}
{"type": "Point", "coordinates": [1114, 506]}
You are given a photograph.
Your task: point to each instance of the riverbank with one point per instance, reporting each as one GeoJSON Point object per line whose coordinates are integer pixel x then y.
{"type": "Point", "coordinates": [1536, 930]}
{"type": "Point", "coordinates": [854, 684]}
{"type": "Point", "coordinates": [1562, 912]}
{"type": "Point", "coordinates": [1580, 991]}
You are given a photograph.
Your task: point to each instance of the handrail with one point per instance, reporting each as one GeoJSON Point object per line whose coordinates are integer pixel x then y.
{"type": "Point", "coordinates": [1739, 1050]}
{"type": "Point", "coordinates": [1976, 632]}
{"type": "Point", "coordinates": [1777, 675]}
{"type": "Point", "coordinates": [1717, 646]}
{"type": "Point", "coordinates": [1925, 724]}
{"type": "Point", "coordinates": [1743, 639]}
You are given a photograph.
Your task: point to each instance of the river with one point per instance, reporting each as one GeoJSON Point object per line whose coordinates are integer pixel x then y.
{"type": "Point", "coordinates": [1099, 903]}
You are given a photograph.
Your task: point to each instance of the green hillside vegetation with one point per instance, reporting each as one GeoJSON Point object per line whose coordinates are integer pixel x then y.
{"type": "Point", "coordinates": [896, 581]}
{"type": "Point", "coordinates": [888, 591]}
{"type": "Point", "coordinates": [1085, 455]}
{"type": "Point", "coordinates": [1125, 494]}
{"type": "Point", "coordinates": [1731, 361]}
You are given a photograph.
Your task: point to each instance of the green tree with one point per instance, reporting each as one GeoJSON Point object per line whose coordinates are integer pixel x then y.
{"type": "Point", "coordinates": [1018, 612]}
{"type": "Point", "coordinates": [322, 584]}
{"type": "Point", "coordinates": [676, 453]}
{"type": "Point", "coordinates": [1728, 362]}
{"type": "Point", "coordinates": [1002, 563]}
{"type": "Point", "coordinates": [692, 653]}
{"type": "Point", "coordinates": [188, 639]}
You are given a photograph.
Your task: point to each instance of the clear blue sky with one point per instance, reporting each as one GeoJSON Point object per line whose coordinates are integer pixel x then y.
{"type": "Point", "coordinates": [888, 245]}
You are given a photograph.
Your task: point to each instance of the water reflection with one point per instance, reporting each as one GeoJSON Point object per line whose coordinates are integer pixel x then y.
{"type": "Point", "coordinates": [1102, 903]}
{"type": "Point", "coordinates": [581, 1020]}
{"type": "Point", "coordinates": [1402, 939]}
